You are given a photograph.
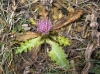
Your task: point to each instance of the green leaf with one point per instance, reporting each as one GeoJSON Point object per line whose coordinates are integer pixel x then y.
{"type": "Point", "coordinates": [63, 41]}
{"type": "Point", "coordinates": [58, 55]}
{"type": "Point", "coordinates": [95, 69]}
{"type": "Point", "coordinates": [28, 45]}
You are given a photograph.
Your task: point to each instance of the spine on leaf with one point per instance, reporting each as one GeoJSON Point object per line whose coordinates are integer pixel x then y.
{"type": "Point", "coordinates": [28, 45]}
{"type": "Point", "coordinates": [58, 55]}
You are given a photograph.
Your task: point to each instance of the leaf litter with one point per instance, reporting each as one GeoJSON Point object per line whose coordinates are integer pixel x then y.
{"type": "Point", "coordinates": [77, 20]}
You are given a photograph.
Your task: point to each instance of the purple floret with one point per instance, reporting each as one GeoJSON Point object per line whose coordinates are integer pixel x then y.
{"type": "Point", "coordinates": [44, 26]}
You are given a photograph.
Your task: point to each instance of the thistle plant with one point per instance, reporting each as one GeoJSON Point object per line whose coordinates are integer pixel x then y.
{"type": "Point", "coordinates": [44, 26]}
{"type": "Point", "coordinates": [56, 53]}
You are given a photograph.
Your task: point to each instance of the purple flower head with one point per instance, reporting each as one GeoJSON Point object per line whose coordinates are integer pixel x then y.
{"type": "Point", "coordinates": [44, 26]}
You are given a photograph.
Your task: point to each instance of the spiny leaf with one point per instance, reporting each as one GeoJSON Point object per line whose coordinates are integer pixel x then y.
{"type": "Point", "coordinates": [63, 41]}
{"type": "Point", "coordinates": [28, 45]}
{"type": "Point", "coordinates": [58, 55]}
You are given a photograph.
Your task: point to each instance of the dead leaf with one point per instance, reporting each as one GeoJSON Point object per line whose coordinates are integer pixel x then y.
{"type": "Point", "coordinates": [56, 13]}
{"type": "Point", "coordinates": [57, 5]}
{"type": "Point", "coordinates": [34, 54]}
{"type": "Point", "coordinates": [44, 13]}
{"type": "Point", "coordinates": [71, 18]}
{"type": "Point", "coordinates": [79, 29]}
{"type": "Point", "coordinates": [27, 36]}
{"type": "Point", "coordinates": [60, 15]}
{"type": "Point", "coordinates": [22, 1]}
{"type": "Point", "coordinates": [70, 8]}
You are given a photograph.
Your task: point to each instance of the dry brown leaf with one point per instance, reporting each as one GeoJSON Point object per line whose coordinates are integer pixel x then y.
{"type": "Point", "coordinates": [27, 36]}
{"type": "Point", "coordinates": [70, 8]}
{"type": "Point", "coordinates": [57, 5]}
{"type": "Point", "coordinates": [56, 13]}
{"type": "Point", "coordinates": [34, 54]}
{"type": "Point", "coordinates": [22, 1]}
{"type": "Point", "coordinates": [71, 18]}
{"type": "Point", "coordinates": [43, 11]}
{"type": "Point", "coordinates": [60, 15]}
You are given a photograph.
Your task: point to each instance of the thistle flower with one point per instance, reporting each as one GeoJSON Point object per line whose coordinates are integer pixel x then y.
{"type": "Point", "coordinates": [44, 26]}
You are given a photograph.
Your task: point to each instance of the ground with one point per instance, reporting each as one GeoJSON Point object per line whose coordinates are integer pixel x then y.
{"type": "Point", "coordinates": [77, 20]}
